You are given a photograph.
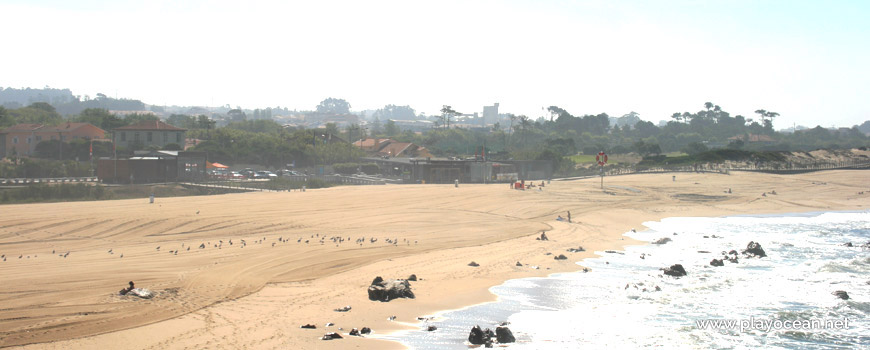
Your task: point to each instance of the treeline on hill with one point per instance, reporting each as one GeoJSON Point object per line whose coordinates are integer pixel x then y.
{"type": "Point", "coordinates": [64, 101]}
{"type": "Point", "coordinates": [562, 135]}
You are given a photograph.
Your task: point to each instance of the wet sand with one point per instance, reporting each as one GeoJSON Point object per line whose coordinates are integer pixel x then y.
{"type": "Point", "coordinates": [256, 294]}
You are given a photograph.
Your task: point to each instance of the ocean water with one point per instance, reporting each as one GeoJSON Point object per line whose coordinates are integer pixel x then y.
{"type": "Point", "coordinates": [608, 307]}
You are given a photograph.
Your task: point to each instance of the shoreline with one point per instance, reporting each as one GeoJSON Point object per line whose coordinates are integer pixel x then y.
{"type": "Point", "coordinates": [269, 318]}
{"type": "Point", "coordinates": [440, 314]}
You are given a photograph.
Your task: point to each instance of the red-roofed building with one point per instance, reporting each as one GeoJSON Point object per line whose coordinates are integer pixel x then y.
{"type": "Point", "coordinates": [148, 133]}
{"type": "Point", "coordinates": [21, 139]}
{"type": "Point", "coordinates": [392, 148]}
{"type": "Point", "coordinates": [372, 144]}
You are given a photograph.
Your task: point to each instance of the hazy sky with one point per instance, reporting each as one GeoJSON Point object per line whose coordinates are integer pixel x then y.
{"type": "Point", "coordinates": [807, 60]}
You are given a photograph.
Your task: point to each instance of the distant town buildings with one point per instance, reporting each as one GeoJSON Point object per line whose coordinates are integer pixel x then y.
{"type": "Point", "coordinates": [21, 139]}
{"type": "Point", "coordinates": [148, 133]}
{"type": "Point", "coordinates": [490, 115]}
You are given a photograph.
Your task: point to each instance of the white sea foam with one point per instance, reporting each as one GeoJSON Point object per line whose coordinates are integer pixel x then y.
{"type": "Point", "coordinates": [806, 262]}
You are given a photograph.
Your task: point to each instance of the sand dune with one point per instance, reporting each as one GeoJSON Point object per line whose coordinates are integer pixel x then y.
{"type": "Point", "coordinates": [255, 292]}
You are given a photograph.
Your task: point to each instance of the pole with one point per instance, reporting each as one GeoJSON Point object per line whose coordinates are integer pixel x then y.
{"type": "Point", "coordinates": [313, 133]}
{"type": "Point", "coordinates": [602, 176]}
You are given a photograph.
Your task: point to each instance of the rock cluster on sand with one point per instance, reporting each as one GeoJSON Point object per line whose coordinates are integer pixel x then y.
{"type": "Point", "coordinates": [386, 290]}
{"type": "Point", "coordinates": [560, 257]}
{"type": "Point", "coordinates": [504, 335]}
{"type": "Point", "coordinates": [479, 336]}
{"type": "Point", "coordinates": [841, 294]}
{"type": "Point", "coordinates": [753, 249]}
{"type": "Point", "coordinates": [662, 240]}
{"type": "Point", "coordinates": [473, 264]}
{"type": "Point", "coordinates": [675, 270]}
{"type": "Point", "coordinates": [331, 336]}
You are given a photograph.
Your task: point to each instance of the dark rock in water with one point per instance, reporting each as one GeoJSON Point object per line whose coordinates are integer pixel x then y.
{"type": "Point", "coordinates": [848, 244]}
{"type": "Point", "coordinates": [354, 332]}
{"type": "Point", "coordinates": [519, 264]}
{"type": "Point", "coordinates": [412, 277]}
{"type": "Point", "coordinates": [330, 336]}
{"type": "Point", "coordinates": [841, 294]}
{"type": "Point", "coordinates": [753, 249]}
{"type": "Point", "coordinates": [733, 259]}
{"type": "Point", "coordinates": [662, 240]}
{"type": "Point", "coordinates": [505, 323]}
{"type": "Point", "coordinates": [477, 336]}
{"type": "Point", "coordinates": [544, 237]}
{"type": "Point", "coordinates": [308, 326]}
{"type": "Point", "coordinates": [386, 290]}
{"type": "Point", "coordinates": [717, 262]}
{"type": "Point", "coordinates": [488, 344]}
{"type": "Point", "coordinates": [365, 330]}
{"type": "Point", "coordinates": [504, 335]}
{"type": "Point", "coordinates": [705, 252]}
{"type": "Point", "coordinates": [675, 270]}
{"type": "Point", "coordinates": [431, 328]}
{"type": "Point", "coordinates": [474, 264]}
{"type": "Point", "coordinates": [733, 252]}
{"type": "Point", "coordinates": [560, 257]}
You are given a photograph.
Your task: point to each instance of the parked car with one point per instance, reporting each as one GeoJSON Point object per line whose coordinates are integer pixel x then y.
{"type": "Point", "coordinates": [247, 172]}
{"type": "Point", "coordinates": [236, 175]}
{"type": "Point", "coordinates": [263, 174]}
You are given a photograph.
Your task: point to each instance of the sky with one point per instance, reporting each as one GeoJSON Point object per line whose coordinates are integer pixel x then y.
{"type": "Point", "coordinates": [807, 60]}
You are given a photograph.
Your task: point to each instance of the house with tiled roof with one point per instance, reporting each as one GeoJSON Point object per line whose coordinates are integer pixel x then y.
{"type": "Point", "coordinates": [392, 148]}
{"type": "Point", "coordinates": [372, 144]}
{"type": "Point", "coordinates": [21, 139]}
{"type": "Point", "coordinates": [148, 133]}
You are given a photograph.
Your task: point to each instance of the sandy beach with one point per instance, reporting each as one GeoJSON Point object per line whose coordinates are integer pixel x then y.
{"type": "Point", "coordinates": [244, 271]}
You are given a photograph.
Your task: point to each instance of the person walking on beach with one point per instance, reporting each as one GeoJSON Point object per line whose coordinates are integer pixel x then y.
{"type": "Point", "coordinates": [569, 216]}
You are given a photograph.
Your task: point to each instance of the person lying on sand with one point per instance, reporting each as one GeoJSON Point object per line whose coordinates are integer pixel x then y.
{"type": "Point", "coordinates": [128, 289]}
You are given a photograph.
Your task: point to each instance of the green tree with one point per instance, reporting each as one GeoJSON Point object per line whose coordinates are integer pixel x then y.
{"type": "Point", "coordinates": [101, 118]}
{"type": "Point", "coordinates": [695, 148]}
{"type": "Point", "coordinates": [136, 118]}
{"type": "Point", "coordinates": [391, 129]}
{"type": "Point", "coordinates": [447, 112]}
{"type": "Point", "coordinates": [37, 113]}
{"type": "Point", "coordinates": [333, 106]}
{"type": "Point", "coordinates": [182, 121]}
{"type": "Point", "coordinates": [396, 112]}
{"type": "Point", "coordinates": [5, 118]}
